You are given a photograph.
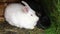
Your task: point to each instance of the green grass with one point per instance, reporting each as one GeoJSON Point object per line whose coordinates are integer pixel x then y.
{"type": "Point", "coordinates": [55, 17]}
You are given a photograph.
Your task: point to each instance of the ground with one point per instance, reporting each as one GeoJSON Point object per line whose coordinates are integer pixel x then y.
{"type": "Point", "coordinates": [8, 29]}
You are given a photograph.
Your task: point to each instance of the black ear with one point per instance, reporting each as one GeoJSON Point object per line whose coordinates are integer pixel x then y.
{"type": "Point", "coordinates": [44, 22]}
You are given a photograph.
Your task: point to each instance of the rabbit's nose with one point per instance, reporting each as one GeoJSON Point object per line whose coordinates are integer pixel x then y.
{"type": "Point", "coordinates": [36, 19]}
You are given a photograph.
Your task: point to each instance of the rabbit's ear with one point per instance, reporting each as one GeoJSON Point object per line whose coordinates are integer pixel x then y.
{"type": "Point", "coordinates": [25, 9]}
{"type": "Point", "coordinates": [25, 4]}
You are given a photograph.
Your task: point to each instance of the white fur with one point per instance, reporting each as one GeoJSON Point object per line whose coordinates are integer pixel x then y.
{"type": "Point", "coordinates": [14, 15]}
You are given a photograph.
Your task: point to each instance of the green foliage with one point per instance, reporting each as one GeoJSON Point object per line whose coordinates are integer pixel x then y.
{"type": "Point", "coordinates": [54, 7]}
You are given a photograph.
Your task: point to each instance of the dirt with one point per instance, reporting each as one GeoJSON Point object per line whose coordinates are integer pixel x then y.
{"type": "Point", "coordinates": [6, 28]}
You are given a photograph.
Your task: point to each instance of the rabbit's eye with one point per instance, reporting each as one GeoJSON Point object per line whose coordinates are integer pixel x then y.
{"type": "Point", "coordinates": [31, 15]}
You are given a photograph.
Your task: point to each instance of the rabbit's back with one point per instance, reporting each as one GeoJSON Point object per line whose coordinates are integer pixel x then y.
{"type": "Point", "coordinates": [13, 8]}
{"type": "Point", "coordinates": [10, 12]}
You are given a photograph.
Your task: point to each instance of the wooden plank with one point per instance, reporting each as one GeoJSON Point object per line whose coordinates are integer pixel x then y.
{"type": "Point", "coordinates": [2, 6]}
{"type": "Point", "coordinates": [9, 0]}
{"type": "Point", "coordinates": [2, 19]}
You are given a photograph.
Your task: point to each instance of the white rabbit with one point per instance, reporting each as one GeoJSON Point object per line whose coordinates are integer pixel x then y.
{"type": "Point", "coordinates": [21, 16]}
